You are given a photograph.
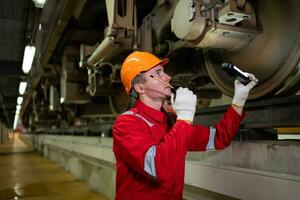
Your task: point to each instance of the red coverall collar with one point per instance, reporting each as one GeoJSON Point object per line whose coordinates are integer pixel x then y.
{"type": "Point", "coordinates": [159, 116]}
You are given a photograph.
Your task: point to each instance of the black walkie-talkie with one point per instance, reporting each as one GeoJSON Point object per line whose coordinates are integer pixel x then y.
{"type": "Point", "coordinates": [232, 70]}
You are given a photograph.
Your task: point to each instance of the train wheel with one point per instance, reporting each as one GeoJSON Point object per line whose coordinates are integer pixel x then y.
{"type": "Point", "coordinates": [273, 56]}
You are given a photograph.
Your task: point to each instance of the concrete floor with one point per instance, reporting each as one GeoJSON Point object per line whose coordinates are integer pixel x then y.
{"type": "Point", "coordinates": [28, 176]}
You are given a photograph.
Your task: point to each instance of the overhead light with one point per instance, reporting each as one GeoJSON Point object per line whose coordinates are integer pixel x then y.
{"type": "Point", "coordinates": [18, 107]}
{"type": "Point", "coordinates": [28, 58]}
{"type": "Point", "coordinates": [22, 87]}
{"type": "Point", "coordinates": [39, 3]}
{"type": "Point", "coordinates": [16, 121]}
{"type": "Point", "coordinates": [19, 100]}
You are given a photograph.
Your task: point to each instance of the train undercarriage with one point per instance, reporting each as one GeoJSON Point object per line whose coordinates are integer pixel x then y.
{"type": "Point", "coordinates": [81, 44]}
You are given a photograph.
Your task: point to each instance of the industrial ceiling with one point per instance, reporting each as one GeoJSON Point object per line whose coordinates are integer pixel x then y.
{"type": "Point", "coordinates": [21, 22]}
{"type": "Point", "coordinates": [13, 19]}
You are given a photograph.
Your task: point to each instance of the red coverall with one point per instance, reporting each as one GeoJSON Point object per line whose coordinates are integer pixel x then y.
{"type": "Point", "coordinates": [142, 127]}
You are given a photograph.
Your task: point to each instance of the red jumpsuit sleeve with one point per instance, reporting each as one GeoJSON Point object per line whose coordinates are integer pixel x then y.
{"type": "Point", "coordinates": [225, 129]}
{"type": "Point", "coordinates": [132, 140]}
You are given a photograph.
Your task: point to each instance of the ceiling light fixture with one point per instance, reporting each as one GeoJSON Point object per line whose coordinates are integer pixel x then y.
{"type": "Point", "coordinates": [16, 122]}
{"type": "Point", "coordinates": [39, 3]}
{"type": "Point", "coordinates": [19, 100]}
{"type": "Point", "coordinates": [28, 58]}
{"type": "Point", "coordinates": [22, 87]}
{"type": "Point", "coordinates": [18, 107]}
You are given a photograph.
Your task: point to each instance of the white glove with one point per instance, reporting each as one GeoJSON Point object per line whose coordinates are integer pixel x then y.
{"type": "Point", "coordinates": [241, 91]}
{"type": "Point", "coordinates": [184, 104]}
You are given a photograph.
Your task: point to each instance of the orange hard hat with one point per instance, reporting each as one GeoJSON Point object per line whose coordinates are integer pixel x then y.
{"type": "Point", "coordinates": [137, 62]}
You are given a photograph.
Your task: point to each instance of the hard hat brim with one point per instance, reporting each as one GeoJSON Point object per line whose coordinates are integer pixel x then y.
{"type": "Point", "coordinates": [164, 61]}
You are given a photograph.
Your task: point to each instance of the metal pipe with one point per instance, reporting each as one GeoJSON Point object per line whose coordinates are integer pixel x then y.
{"type": "Point", "coordinates": [169, 46]}
{"type": "Point", "coordinates": [106, 47]}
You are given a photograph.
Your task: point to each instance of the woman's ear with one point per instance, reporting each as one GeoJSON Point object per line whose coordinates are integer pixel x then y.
{"type": "Point", "coordinates": [139, 88]}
